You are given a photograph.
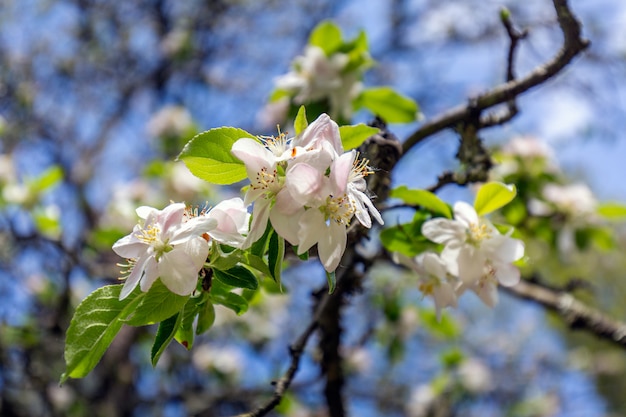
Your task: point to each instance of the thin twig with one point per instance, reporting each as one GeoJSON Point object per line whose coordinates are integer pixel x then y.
{"type": "Point", "coordinates": [575, 313]}
{"type": "Point", "coordinates": [573, 44]}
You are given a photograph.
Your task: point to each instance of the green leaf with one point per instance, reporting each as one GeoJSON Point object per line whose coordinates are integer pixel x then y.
{"type": "Point", "coordinates": [158, 304]}
{"type": "Point", "coordinates": [275, 256]}
{"type": "Point", "coordinates": [229, 300]}
{"type": "Point", "coordinates": [238, 276]}
{"type": "Point", "coordinates": [326, 36]}
{"type": "Point", "coordinates": [353, 136]}
{"type": "Point", "coordinates": [332, 281]}
{"type": "Point", "coordinates": [493, 195]}
{"type": "Point", "coordinates": [257, 263]}
{"type": "Point", "coordinates": [258, 247]}
{"type": "Point", "coordinates": [388, 104]}
{"type": "Point", "coordinates": [423, 198]}
{"type": "Point", "coordinates": [300, 123]}
{"type": "Point", "coordinates": [208, 156]}
{"type": "Point", "coordinates": [185, 332]}
{"type": "Point", "coordinates": [612, 211]}
{"type": "Point", "coordinates": [98, 318]}
{"type": "Point", "coordinates": [164, 335]}
{"type": "Point", "coordinates": [206, 318]}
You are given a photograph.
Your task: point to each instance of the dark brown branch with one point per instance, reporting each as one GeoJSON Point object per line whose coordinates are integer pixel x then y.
{"type": "Point", "coordinates": [573, 44]}
{"type": "Point", "coordinates": [575, 313]}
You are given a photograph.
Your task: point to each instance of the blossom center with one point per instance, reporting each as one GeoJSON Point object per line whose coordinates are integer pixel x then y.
{"type": "Point", "coordinates": [478, 232]}
{"type": "Point", "coordinates": [265, 180]}
{"type": "Point", "coordinates": [360, 169]}
{"type": "Point", "coordinates": [152, 236]}
{"type": "Point", "coordinates": [339, 209]}
{"type": "Point", "coordinates": [276, 144]}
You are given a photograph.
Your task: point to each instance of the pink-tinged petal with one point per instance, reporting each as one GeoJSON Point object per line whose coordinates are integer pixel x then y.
{"type": "Point", "coordinates": [465, 213]}
{"type": "Point", "coordinates": [260, 215]}
{"type": "Point", "coordinates": [340, 171]}
{"type": "Point", "coordinates": [234, 209]}
{"type": "Point", "coordinates": [487, 292]}
{"type": "Point", "coordinates": [323, 129]}
{"type": "Point", "coordinates": [130, 247]}
{"type": "Point", "coordinates": [254, 155]}
{"type": "Point", "coordinates": [305, 183]}
{"type": "Point", "coordinates": [444, 231]}
{"type": "Point", "coordinates": [444, 296]}
{"type": "Point", "coordinates": [151, 274]}
{"type": "Point", "coordinates": [312, 228]}
{"type": "Point", "coordinates": [171, 217]}
{"type": "Point", "coordinates": [133, 279]}
{"type": "Point", "coordinates": [194, 227]}
{"type": "Point", "coordinates": [507, 274]}
{"type": "Point", "coordinates": [286, 204]}
{"type": "Point", "coordinates": [332, 246]}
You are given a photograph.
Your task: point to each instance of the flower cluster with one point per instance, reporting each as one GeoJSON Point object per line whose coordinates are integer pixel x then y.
{"type": "Point", "coordinates": [475, 256]}
{"type": "Point", "coordinates": [308, 188]}
{"type": "Point", "coordinates": [173, 244]}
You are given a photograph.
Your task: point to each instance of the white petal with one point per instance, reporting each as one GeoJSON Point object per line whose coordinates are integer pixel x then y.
{"type": "Point", "coordinates": [286, 226]}
{"type": "Point", "coordinates": [312, 229]}
{"type": "Point", "coordinates": [444, 231]}
{"type": "Point", "coordinates": [260, 215]}
{"type": "Point", "coordinates": [471, 264]}
{"type": "Point", "coordinates": [488, 293]}
{"type": "Point", "coordinates": [507, 274]}
{"type": "Point", "coordinates": [133, 279]}
{"type": "Point", "coordinates": [178, 271]}
{"type": "Point", "coordinates": [506, 249]}
{"type": "Point", "coordinates": [151, 274]}
{"type": "Point", "coordinates": [332, 246]}
{"type": "Point", "coordinates": [465, 213]}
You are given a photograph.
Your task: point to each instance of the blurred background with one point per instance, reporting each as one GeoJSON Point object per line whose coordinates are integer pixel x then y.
{"type": "Point", "coordinates": [98, 97]}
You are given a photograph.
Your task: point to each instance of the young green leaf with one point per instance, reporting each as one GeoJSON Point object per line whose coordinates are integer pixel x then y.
{"type": "Point", "coordinates": [49, 178]}
{"type": "Point", "coordinates": [208, 156]}
{"type": "Point", "coordinates": [185, 332]}
{"type": "Point", "coordinates": [301, 122]}
{"type": "Point", "coordinates": [326, 36]}
{"type": "Point", "coordinates": [98, 318]}
{"type": "Point", "coordinates": [257, 263]}
{"type": "Point", "coordinates": [275, 256]}
{"type": "Point", "coordinates": [612, 211]}
{"type": "Point", "coordinates": [238, 276]}
{"type": "Point", "coordinates": [206, 318]}
{"type": "Point", "coordinates": [353, 136]}
{"type": "Point", "coordinates": [164, 335]}
{"type": "Point", "coordinates": [493, 195]}
{"type": "Point", "coordinates": [388, 104]}
{"type": "Point", "coordinates": [423, 198]}
{"type": "Point", "coordinates": [158, 304]}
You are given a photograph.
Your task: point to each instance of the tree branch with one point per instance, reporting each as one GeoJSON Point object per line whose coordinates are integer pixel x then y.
{"type": "Point", "coordinates": [575, 313]}
{"type": "Point", "coordinates": [573, 44]}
